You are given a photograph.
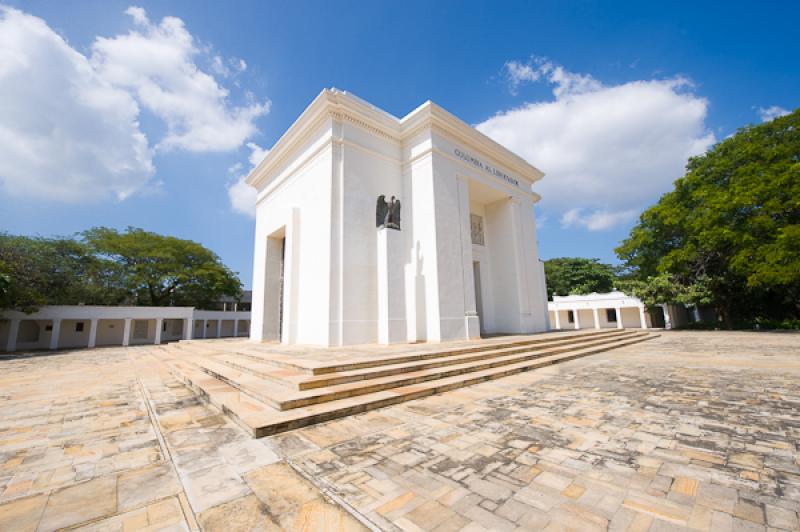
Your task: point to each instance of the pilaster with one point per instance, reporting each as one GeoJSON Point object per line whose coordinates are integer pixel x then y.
{"type": "Point", "coordinates": [13, 332]}
{"type": "Point", "coordinates": [159, 326]}
{"type": "Point", "coordinates": [55, 333]}
{"type": "Point", "coordinates": [126, 332]}
{"type": "Point", "coordinates": [92, 333]}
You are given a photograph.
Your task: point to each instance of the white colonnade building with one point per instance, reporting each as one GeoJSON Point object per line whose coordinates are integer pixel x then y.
{"type": "Point", "coordinates": [463, 262]}
{"type": "Point", "coordinates": [76, 326]}
{"type": "Point", "coordinates": [598, 311]}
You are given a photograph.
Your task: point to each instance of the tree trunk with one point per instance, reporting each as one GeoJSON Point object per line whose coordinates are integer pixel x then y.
{"type": "Point", "coordinates": [725, 316]}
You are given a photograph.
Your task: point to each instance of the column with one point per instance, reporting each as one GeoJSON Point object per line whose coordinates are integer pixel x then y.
{"type": "Point", "coordinates": [126, 332]}
{"type": "Point", "coordinates": [577, 318]}
{"type": "Point", "coordinates": [642, 319]}
{"type": "Point", "coordinates": [596, 316]}
{"type": "Point", "coordinates": [159, 326]}
{"type": "Point", "coordinates": [618, 310]}
{"type": "Point", "coordinates": [667, 321]}
{"type": "Point", "coordinates": [558, 319]}
{"type": "Point", "coordinates": [219, 328]}
{"type": "Point", "coordinates": [92, 333]}
{"type": "Point", "coordinates": [235, 327]}
{"type": "Point", "coordinates": [13, 331]}
{"type": "Point", "coordinates": [55, 333]}
{"type": "Point", "coordinates": [205, 328]}
{"type": "Point", "coordinates": [188, 328]}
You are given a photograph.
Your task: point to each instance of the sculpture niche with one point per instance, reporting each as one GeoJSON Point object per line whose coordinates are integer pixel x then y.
{"type": "Point", "coordinates": [387, 214]}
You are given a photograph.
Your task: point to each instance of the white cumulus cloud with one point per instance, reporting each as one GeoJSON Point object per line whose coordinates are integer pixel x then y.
{"type": "Point", "coordinates": [70, 124]}
{"type": "Point", "coordinates": [241, 195]}
{"type": "Point", "coordinates": [607, 150]}
{"type": "Point", "coordinates": [771, 113]}
{"type": "Point", "coordinates": [157, 63]}
{"type": "Point", "coordinates": [65, 132]}
{"type": "Point", "coordinates": [257, 153]}
{"type": "Point", "coordinates": [597, 220]}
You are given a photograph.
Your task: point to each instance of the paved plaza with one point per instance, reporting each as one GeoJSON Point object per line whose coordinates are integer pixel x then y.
{"type": "Point", "coordinates": [691, 430]}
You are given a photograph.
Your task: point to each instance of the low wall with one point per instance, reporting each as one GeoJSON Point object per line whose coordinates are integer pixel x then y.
{"type": "Point", "coordinates": [79, 326]}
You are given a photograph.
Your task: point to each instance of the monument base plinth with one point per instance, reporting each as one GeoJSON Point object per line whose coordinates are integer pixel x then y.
{"type": "Point", "coordinates": [391, 287]}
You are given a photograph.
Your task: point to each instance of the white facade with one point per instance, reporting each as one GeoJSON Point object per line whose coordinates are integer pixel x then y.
{"type": "Point", "coordinates": [323, 273]}
{"type": "Point", "coordinates": [598, 311]}
{"type": "Point", "coordinates": [66, 326]}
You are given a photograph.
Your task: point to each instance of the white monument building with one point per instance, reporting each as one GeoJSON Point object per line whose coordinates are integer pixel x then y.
{"type": "Point", "coordinates": [332, 268]}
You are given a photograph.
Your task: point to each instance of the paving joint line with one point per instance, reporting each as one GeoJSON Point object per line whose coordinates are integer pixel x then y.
{"type": "Point", "coordinates": [191, 521]}
{"type": "Point", "coordinates": [332, 495]}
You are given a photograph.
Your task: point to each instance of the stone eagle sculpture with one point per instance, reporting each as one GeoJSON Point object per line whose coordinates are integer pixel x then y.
{"type": "Point", "coordinates": [381, 211]}
{"type": "Point", "coordinates": [387, 214]}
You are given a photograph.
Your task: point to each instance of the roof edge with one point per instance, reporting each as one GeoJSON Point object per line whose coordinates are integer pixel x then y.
{"type": "Point", "coordinates": [427, 114]}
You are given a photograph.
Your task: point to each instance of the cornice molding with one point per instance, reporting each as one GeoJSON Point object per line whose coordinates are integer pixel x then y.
{"type": "Point", "coordinates": [344, 116]}
{"type": "Point", "coordinates": [338, 106]}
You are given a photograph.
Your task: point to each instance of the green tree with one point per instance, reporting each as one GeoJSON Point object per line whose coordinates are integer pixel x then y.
{"type": "Point", "coordinates": [730, 231]}
{"type": "Point", "coordinates": [163, 270]}
{"type": "Point", "coordinates": [56, 271]}
{"type": "Point", "coordinates": [106, 267]}
{"type": "Point", "coordinates": [576, 275]}
{"type": "Point", "coordinates": [663, 288]}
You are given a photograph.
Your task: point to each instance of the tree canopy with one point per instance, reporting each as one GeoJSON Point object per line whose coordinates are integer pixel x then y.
{"type": "Point", "coordinates": [57, 271]}
{"type": "Point", "coordinates": [577, 275]}
{"type": "Point", "coordinates": [730, 230]}
{"type": "Point", "coordinates": [106, 267]}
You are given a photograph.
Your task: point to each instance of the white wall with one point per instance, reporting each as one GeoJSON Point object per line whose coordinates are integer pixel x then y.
{"type": "Point", "coordinates": [33, 333]}
{"type": "Point", "coordinates": [499, 227]}
{"type": "Point", "coordinates": [147, 327]}
{"type": "Point", "coordinates": [318, 189]}
{"type": "Point", "coordinates": [364, 167]}
{"type": "Point", "coordinates": [630, 317]}
{"type": "Point", "coordinates": [70, 337]}
{"type": "Point", "coordinates": [628, 310]}
{"type": "Point", "coordinates": [300, 205]}
{"type": "Point", "coordinates": [172, 329]}
{"type": "Point", "coordinates": [37, 327]}
{"type": "Point", "coordinates": [109, 332]}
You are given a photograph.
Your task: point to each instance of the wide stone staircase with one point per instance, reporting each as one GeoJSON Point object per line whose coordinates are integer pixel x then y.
{"type": "Point", "coordinates": [267, 392]}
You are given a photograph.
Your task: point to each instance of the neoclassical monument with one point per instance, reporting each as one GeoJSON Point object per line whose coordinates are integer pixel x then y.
{"type": "Point", "coordinates": [448, 252]}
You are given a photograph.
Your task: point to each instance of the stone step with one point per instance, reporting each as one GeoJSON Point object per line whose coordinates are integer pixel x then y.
{"type": "Point", "coordinates": [262, 419]}
{"type": "Point", "coordinates": [249, 413]}
{"type": "Point", "coordinates": [363, 387]}
{"type": "Point", "coordinates": [191, 346]}
{"type": "Point", "coordinates": [300, 381]}
{"type": "Point", "coordinates": [295, 379]}
{"type": "Point", "coordinates": [248, 383]}
{"type": "Point", "coordinates": [447, 359]}
{"type": "Point", "coordinates": [278, 374]}
{"type": "Point", "coordinates": [281, 398]}
{"type": "Point", "coordinates": [337, 365]}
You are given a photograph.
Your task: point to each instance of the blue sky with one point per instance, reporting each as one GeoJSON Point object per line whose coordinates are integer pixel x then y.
{"type": "Point", "coordinates": [607, 99]}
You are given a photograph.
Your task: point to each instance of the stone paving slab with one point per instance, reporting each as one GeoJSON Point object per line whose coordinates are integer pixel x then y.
{"type": "Point", "coordinates": [691, 431]}
{"type": "Point", "coordinates": [106, 439]}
